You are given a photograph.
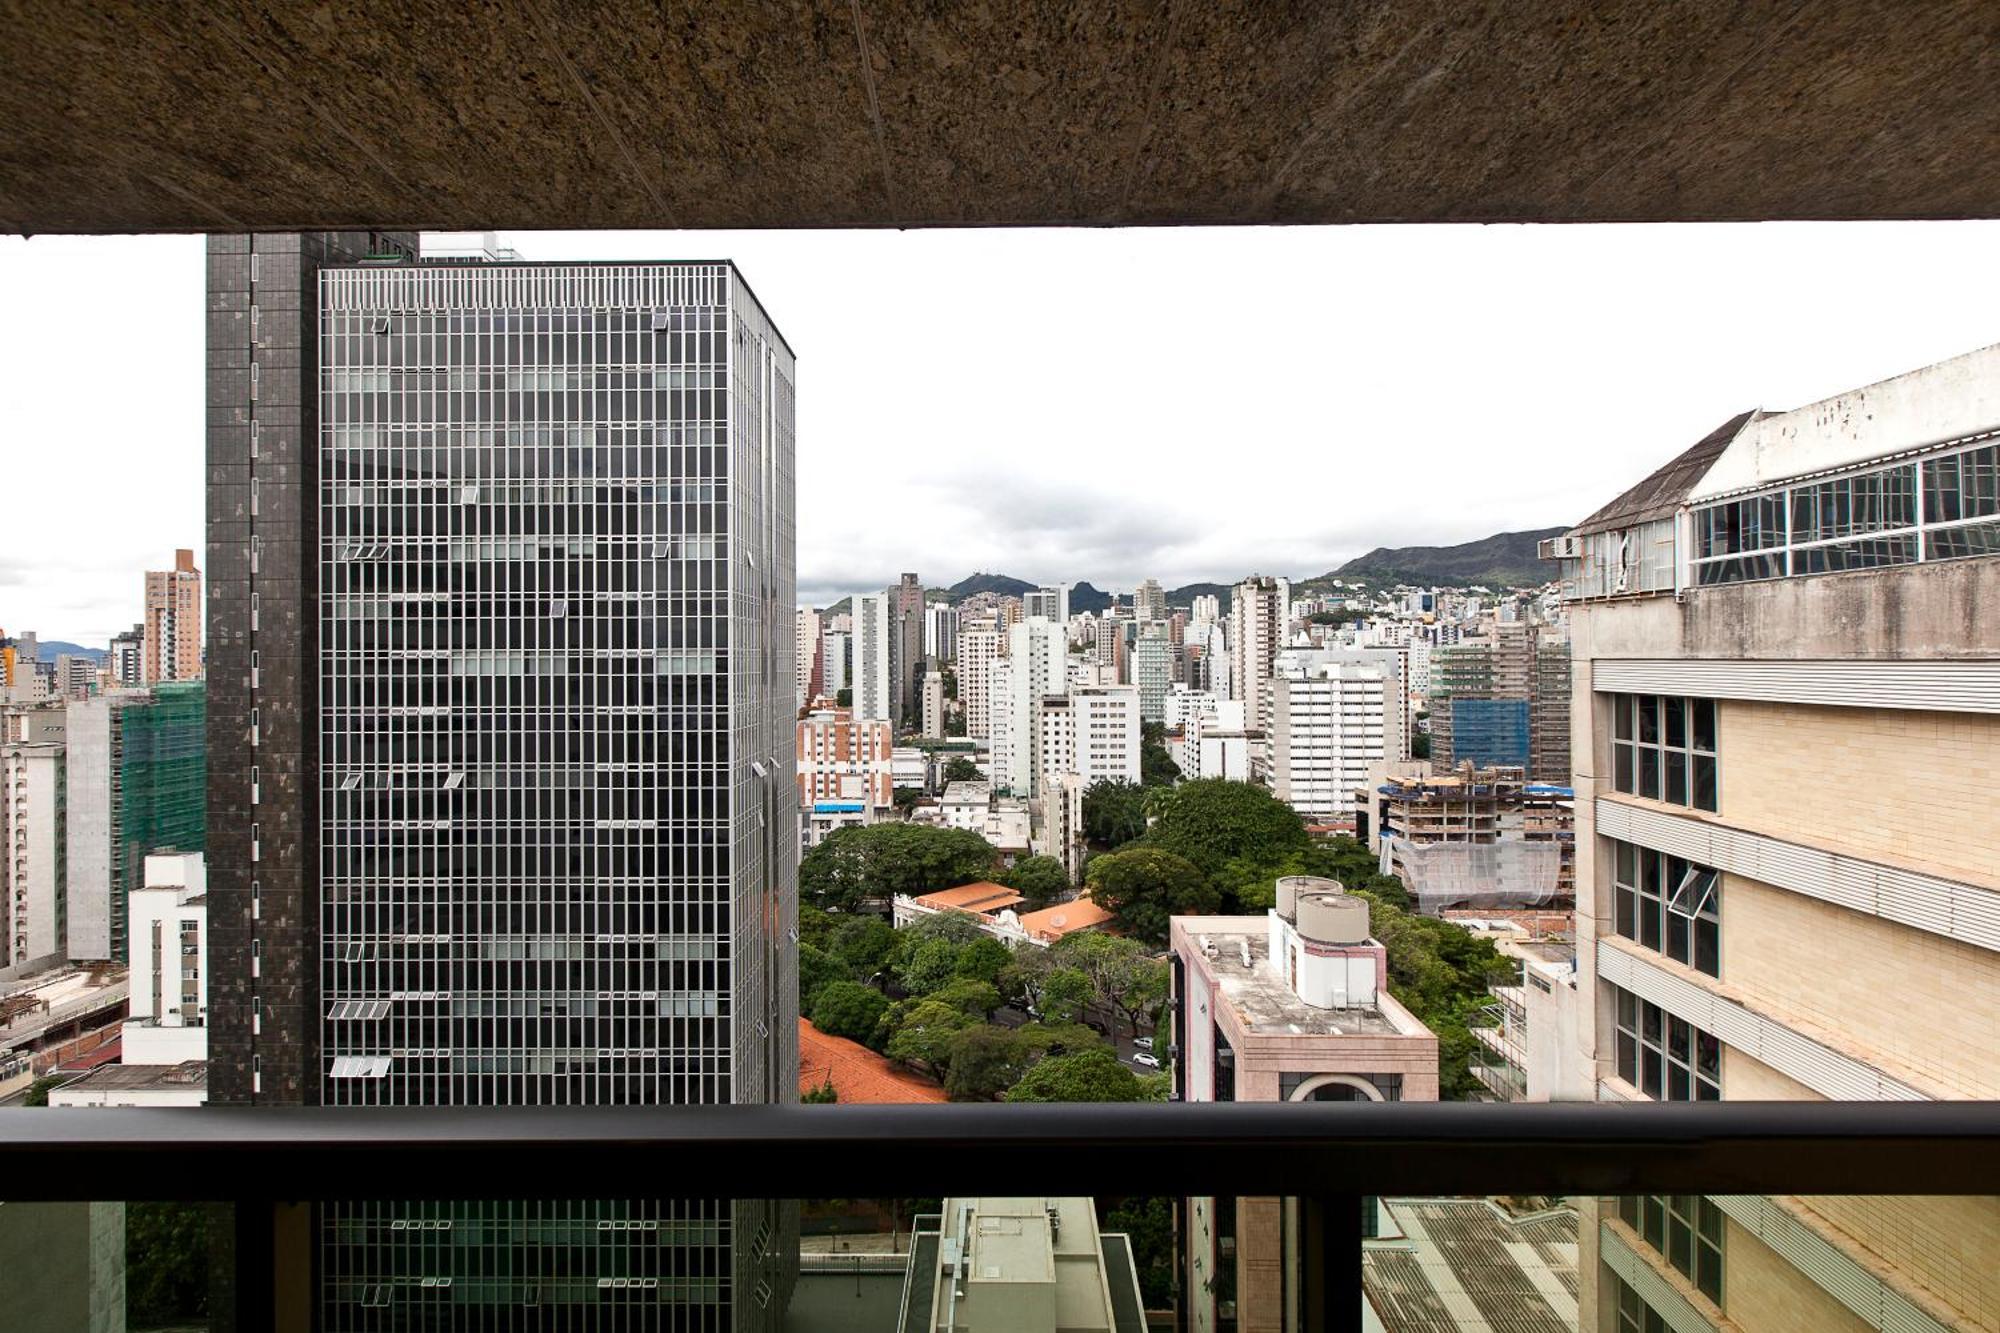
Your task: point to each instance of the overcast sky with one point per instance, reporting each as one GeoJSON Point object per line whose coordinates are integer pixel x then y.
{"type": "Point", "coordinates": [1102, 405]}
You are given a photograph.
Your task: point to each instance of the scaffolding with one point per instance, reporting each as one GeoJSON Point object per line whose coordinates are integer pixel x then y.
{"type": "Point", "coordinates": [160, 801]}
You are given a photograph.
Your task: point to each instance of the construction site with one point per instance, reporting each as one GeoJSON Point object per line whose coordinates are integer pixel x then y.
{"type": "Point", "coordinates": [1472, 838]}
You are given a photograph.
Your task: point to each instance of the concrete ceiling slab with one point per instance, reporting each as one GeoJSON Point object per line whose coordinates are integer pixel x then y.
{"type": "Point", "coordinates": [125, 116]}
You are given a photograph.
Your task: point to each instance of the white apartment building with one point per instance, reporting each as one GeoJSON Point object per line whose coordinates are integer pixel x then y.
{"type": "Point", "coordinates": [980, 645]}
{"type": "Point", "coordinates": [168, 919]}
{"type": "Point", "coordinates": [1259, 612]}
{"type": "Point", "coordinates": [1785, 718]}
{"type": "Point", "coordinates": [1038, 657]}
{"type": "Point", "coordinates": [1050, 603]}
{"type": "Point", "coordinates": [1149, 601]}
{"type": "Point", "coordinates": [940, 631]}
{"type": "Point", "coordinates": [873, 668]}
{"type": "Point", "coordinates": [833, 653]}
{"type": "Point", "coordinates": [1000, 720]}
{"type": "Point", "coordinates": [1092, 733]}
{"type": "Point", "coordinates": [1059, 829]}
{"type": "Point", "coordinates": [933, 701]}
{"type": "Point", "coordinates": [806, 649]}
{"type": "Point", "coordinates": [1326, 724]}
{"type": "Point", "coordinates": [32, 865]}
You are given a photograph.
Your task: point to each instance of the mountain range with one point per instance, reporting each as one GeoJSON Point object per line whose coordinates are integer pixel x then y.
{"type": "Point", "coordinates": [1505, 559]}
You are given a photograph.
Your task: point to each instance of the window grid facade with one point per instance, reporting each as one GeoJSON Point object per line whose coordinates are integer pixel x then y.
{"type": "Point", "coordinates": [1669, 905]}
{"type": "Point", "coordinates": [1684, 1229]}
{"type": "Point", "coordinates": [1667, 1058]}
{"type": "Point", "coordinates": [556, 784]}
{"type": "Point", "coordinates": [1942, 507]}
{"type": "Point", "coordinates": [1664, 749]}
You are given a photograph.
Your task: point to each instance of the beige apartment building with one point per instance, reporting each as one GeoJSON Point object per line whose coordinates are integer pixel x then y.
{"type": "Point", "coordinates": [172, 648]}
{"type": "Point", "coordinates": [1787, 747]}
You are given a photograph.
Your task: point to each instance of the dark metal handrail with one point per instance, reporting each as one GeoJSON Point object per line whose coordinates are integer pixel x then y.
{"type": "Point", "coordinates": [1395, 1148]}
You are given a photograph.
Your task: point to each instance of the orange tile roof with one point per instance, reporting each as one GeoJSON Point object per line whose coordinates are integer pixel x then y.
{"type": "Point", "coordinates": [1052, 923]}
{"type": "Point", "coordinates": [859, 1076]}
{"type": "Point", "coordinates": [981, 897]}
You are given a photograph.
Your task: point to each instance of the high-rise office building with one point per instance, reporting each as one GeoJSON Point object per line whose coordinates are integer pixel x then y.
{"type": "Point", "coordinates": [1788, 828]}
{"type": "Point", "coordinates": [1259, 611]}
{"type": "Point", "coordinates": [872, 673]}
{"type": "Point", "coordinates": [173, 621]}
{"type": "Point", "coordinates": [503, 738]}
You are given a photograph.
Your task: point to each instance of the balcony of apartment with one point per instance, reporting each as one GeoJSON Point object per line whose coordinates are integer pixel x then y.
{"type": "Point", "coordinates": [1478, 1210]}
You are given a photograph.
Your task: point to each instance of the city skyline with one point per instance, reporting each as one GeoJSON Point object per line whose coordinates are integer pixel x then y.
{"type": "Point", "coordinates": [1121, 487]}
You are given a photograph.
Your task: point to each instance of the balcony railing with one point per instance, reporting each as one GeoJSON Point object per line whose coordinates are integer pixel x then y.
{"type": "Point", "coordinates": [1328, 1156]}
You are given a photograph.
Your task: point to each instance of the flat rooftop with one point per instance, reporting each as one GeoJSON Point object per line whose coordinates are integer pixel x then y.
{"type": "Point", "coordinates": [1448, 1265]}
{"type": "Point", "coordinates": [1262, 1000]}
{"type": "Point", "coordinates": [137, 1078]}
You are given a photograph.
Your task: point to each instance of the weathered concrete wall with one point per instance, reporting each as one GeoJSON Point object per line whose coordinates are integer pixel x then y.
{"type": "Point", "coordinates": [239, 116]}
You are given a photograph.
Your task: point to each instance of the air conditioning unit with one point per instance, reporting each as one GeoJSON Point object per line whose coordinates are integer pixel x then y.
{"type": "Point", "coordinates": [1566, 547]}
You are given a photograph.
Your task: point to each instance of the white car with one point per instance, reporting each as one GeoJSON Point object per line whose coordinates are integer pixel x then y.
{"type": "Point", "coordinates": [1146, 1058]}
{"type": "Point", "coordinates": [1143, 1043]}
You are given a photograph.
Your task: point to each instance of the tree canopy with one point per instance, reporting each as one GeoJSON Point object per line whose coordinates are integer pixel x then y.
{"type": "Point", "coordinates": [961, 769]}
{"type": "Point", "coordinates": [1143, 887]}
{"type": "Point", "coordinates": [849, 1009]}
{"type": "Point", "coordinates": [1093, 1075]}
{"type": "Point", "coordinates": [1156, 767]}
{"type": "Point", "coordinates": [881, 860]}
{"type": "Point", "coordinates": [1040, 880]}
{"type": "Point", "coordinates": [1114, 813]}
{"type": "Point", "coordinates": [1213, 820]}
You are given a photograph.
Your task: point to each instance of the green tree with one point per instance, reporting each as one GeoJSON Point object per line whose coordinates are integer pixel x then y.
{"type": "Point", "coordinates": [905, 799]}
{"type": "Point", "coordinates": [1066, 995]}
{"type": "Point", "coordinates": [1144, 887]}
{"type": "Point", "coordinates": [1021, 980]}
{"type": "Point", "coordinates": [823, 1095]}
{"type": "Point", "coordinates": [1213, 821]}
{"type": "Point", "coordinates": [863, 944]}
{"type": "Point", "coordinates": [1114, 813]}
{"type": "Point", "coordinates": [922, 1033]}
{"type": "Point", "coordinates": [166, 1263]}
{"type": "Point", "coordinates": [961, 769]}
{"type": "Point", "coordinates": [969, 995]}
{"type": "Point", "coordinates": [929, 965]}
{"type": "Point", "coordinates": [1047, 1038]}
{"type": "Point", "coordinates": [816, 927]}
{"type": "Point", "coordinates": [984, 1061]}
{"type": "Point", "coordinates": [843, 698]}
{"type": "Point", "coordinates": [882, 860]}
{"type": "Point", "coordinates": [1149, 1225]}
{"type": "Point", "coordinates": [1441, 972]}
{"type": "Point", "coordinates": [1040, 880]}
{"type": "Point", "coordinates": [950, 684]}
{"type": "Point", "coordinates": [1156, 767]}
{"type": "Point", "coordinates": [38, 1091]}
{"type": "Point", "coordinates": [1123, 975]}
{"type": "Point", "coordinates": [984, 959]}
{"type": "Point", "coordinates": [817, 968]}
{"type": "Point", "coordinates": [1094, 1075]}
{"type": "Point", "coordinates": [849, 1009]}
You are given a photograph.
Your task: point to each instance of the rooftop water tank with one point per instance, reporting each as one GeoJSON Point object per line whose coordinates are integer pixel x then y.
{"type": "Point", "coordinates": [1333, 918]}
{"type": "Point", "coordinates": [1291, 886]}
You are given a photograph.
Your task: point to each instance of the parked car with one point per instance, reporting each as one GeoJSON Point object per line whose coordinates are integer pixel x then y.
{"type": "Point", "coordinates": [1143, 1043]}
{"type": "Point", "coordinates": [1146, 1058]}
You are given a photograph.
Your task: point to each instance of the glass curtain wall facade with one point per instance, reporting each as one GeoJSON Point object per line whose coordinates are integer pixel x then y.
{"type": "Point", "coordinates": [555, 788]}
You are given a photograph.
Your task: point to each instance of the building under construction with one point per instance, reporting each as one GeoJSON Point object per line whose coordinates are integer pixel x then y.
{"type": "Point", "coordinates": [1503, 700]}
{"type": "Point", "coordinates": [1473, 837]}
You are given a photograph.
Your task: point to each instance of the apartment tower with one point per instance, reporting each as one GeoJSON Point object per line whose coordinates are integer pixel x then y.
{"type": "Point", "coordinates": [173, 622]}
{"type": "Point", "coordinates": [1788, 835]}
{"type": "Point", "coordinates": [502, 742]}
{"type": "Point", "coordinates": [1259, 610]}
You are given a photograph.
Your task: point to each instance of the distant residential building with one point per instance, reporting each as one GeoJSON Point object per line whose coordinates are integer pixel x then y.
{"type": "Point", "coordinates": [835, 647]}
{"type": "Point", "coordinates": [33, 870]}
{"type": "Point", "coordinates": [1037, 656]}
{"type": "Point", "coordinates": [1149, 601]}
{"type": "Point", "coordinates": [873, 668]}
{"type": "Point", "coordinates": [173, 621]}
{"type": "Point", "coordinates": [126, 661]}
{"type": "Point", "coordinates": [1012, 1265]}
{"type": "Point", "coordinates": [1093, 733]}
{"type": "Point", "coordinates": [964, 805]}
{"type": "Point", "coordinates": [1152, 670]}
{"type": "Point", "coordinates": [844, 771]}
{"type": "Point", "coordinates": [1050, 603]}
{"type": "Point", "coordinates": [910, 767]}
{"type": "Point", "coordinates": [168, 917]}
{"type": "Point", "coordinates": [1290, 1006]}
{"type": "Point", "coordinates": [1205, 609]}
{"type": "Point", "coordinates": [1536, 1040]}
{"type": "Point", "coordinates": [941, 631]}
{"type": "Point", "coordinates": [1329, 717]}
{"type": "Point", "coordinates": [137, 776]}
{"type": "Point", "coordinates": [806, 644]}
{"type": "Point", "coordinates": [1059, 828]}
{"type": "Point", "coordinates": [907, 649]}
{"type": "Point", "coordinates": [1259, 612]}
{"type": "Point", "coordinates": [932, 689]}
{"type": "Point", "coordinates": [1000, 720]}
{"type": "Point", "coordinates": [980, 644]}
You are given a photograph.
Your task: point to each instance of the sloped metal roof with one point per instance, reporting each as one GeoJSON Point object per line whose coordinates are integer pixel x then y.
{"type": "Point", "coordinates": [1663, 491]}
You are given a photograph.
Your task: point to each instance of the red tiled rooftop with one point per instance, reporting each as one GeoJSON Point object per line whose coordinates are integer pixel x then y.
{"type": "Point", "coordinates": [1052, 923]}
{"type": "Point", "coordinates": [981, 897]}
{"type": "Point", "coordinates": [859, 1076]}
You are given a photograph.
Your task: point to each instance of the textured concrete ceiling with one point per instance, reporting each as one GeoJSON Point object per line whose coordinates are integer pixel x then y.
{"type": "Point", "coordinates": [124, 116]}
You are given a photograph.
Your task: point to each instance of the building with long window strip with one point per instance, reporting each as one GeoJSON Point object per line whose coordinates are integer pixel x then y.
{"type": "Point", "coordinates": [1786, 711]}
{"type": "Point", "coordinates": [503, 743]}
